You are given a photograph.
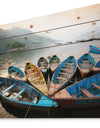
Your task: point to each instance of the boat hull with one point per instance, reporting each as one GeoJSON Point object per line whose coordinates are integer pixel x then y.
{"type": "Point", "coordinates": [21, 95]}
{"type": "Point", "coordinates": [85, 64]}
{"type": "Point", "coordinates": [39, 83]}
{"type": "Point", "coordinates": [54, 62]}
{"type": "Point", "coordinates": [12, 69]}
{"type": "Point", "coordinates": [54, 86]}
{"type": "Point", "coordinates": [94, 49]}
{"type": "Point", "coordinates": [78, 103]}
{"type": "Point", "coordinates": [84, 94]}
{"type": "Point", "coordinates": [25, 106]}
{"type": "Point", "coordinates": [43, 64]}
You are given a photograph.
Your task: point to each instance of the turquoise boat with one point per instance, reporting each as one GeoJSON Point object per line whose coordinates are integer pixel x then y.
{"type": "Point", "coordinates": [94, 49]}
{"type": "Point", "coordinates": [15, 72]}
{"type": "Point", "coordinates": [97, 64]}
{"type": "Point", "coordinates": [21, 95]}
{"type": "Point", "coordinates": [96, 69]}
{"type": "Point", "coordinates": [63, 74]}
{"type": "Point", "coordinates": [85, 63]}
{"type": "Point", "coordinates": [84, 94]}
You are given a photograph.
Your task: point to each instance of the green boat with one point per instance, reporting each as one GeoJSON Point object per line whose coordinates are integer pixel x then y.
{"type": "Point", "coordinates": [54, 62]}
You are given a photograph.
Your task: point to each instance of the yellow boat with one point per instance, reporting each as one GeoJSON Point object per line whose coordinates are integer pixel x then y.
{"type": "Point", "coordinates": [35, 77]}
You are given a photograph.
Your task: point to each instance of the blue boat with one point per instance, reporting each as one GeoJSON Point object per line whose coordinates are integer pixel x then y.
{"type": "Point", "coordinates": [15, 72]}
{"type": "Point", "coordinates": [85, 63]}
{"type": "Point", "coordinates": [97, 64]}
{"type": "Point", "coordinates": [21, 95]}
{"type": "Point", "coordinates": [63, 74]}
{"type": "Point", "coordinates": [97, 67]}
{"type": "Point", "coordinates": [94, 49]}
{"type": "Point", "coordinates": [84, 94]}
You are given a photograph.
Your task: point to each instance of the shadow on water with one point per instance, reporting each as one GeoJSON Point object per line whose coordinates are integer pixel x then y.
{"type": "Point", "coordinates": [57, 113]}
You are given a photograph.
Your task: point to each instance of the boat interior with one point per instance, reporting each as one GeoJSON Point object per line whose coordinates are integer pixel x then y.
{"type": "Point", "coordinates": [34, 76]}
{"type": "Point", "coordinates": [86, 62]}
{"type": "Point", "coordinates": [19, 93]}
{"type": "Point", "coordinates": [64, 72]}
{"type": "Point", "coordinates": [89, 87]}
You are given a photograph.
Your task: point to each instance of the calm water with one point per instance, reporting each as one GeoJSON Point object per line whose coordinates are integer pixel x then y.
{"type": "Point", "coordinates": [20, 58]}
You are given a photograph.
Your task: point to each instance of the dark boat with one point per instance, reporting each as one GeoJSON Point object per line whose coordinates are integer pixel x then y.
{"type": "Point", "coordinates": [19, 94]}
{"type": "Point", "coordinates": [43, 64]}
{"type": "Point", "coordinates": [94, 49]}
{"type": "Point", "coordinates": [85, 63]}
{"type": "Point", "coordinates": [63, 75]}
{"type": "Point", "coordinates": [84, 94]}
{"type": "Point", "coordinates": [16, 73]}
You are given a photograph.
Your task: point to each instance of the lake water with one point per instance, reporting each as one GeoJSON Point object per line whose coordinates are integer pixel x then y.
{"type": "Point", "coordinates": [20, 58]}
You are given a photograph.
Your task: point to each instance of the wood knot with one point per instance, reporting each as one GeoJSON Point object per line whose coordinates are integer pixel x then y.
{"type": "Point", "coordinates": [94, 23]}
{"type": "Point", "coordinates": [78, 17]}
{"type": "Point", "coordinates": [31, 26]}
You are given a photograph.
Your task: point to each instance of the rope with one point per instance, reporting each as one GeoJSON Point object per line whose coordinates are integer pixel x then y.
{"type": "Point", "coordinates": [29, 105]}
{"type": "Point", "coordinates": [28, 110]}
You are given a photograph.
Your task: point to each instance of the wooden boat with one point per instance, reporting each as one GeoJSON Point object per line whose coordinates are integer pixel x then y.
{"type": "Point", "coordinates": [97, 67]}
{"type": "Point", "coordinates": [19, 94]}
{"type": "Point", "coordinates": [54, 62]}
{"type": "Point", "coordinates": [16, 73]}
{"type": "Point", "coordinates": [85, 63]}
{"type": "Point", "coordinates": [97, 64]}
{"type": "Point", "coordinates": [94, 49]}
{"type": "Point", "coordinates": [84, 94]}
{"type": "Point", "coordinates": [35, 77]}
{"type": "Point", "coordinates": [63, 75]}
{"type": "Point", "coordinates": [43, 64]}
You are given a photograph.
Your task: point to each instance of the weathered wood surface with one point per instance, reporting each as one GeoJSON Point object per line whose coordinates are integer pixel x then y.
{"type": "Point", "coordinates": [73, 26]}
{"type": "Point", "coordinates": [88, 94]}
{"type": "Point", "coordinates": [66, 18]}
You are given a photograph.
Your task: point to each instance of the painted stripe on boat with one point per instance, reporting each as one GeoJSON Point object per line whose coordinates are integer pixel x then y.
{"type": "Point", "coordinates": [8, 88]}
{"type": "Point", "coordinates": [1, 82]}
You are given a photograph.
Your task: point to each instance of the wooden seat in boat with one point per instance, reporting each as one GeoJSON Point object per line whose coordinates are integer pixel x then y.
{"type": "Point", "coordinates": [69, 71]}
{"type": "Point", "coordinates": [29, 70]}
{"type": "Point", "coordinates": [68, 66]}
{"type": "Point", "coordinates": [64, 69]}
{"type": "Point", "coordinates": [19, 93]}
{"type": "Point", "coordinates": [8, 88]}
{"type": "Point", "coordinates": [35, 78]}
{"type": "Point", "coordinates": [31, 74]}
{"type": "Point", "coordinates": [61, 78]}
{"type": "Point", "coordinates": [88, 94]}
{"type": "Point", "coordinates": [86, 61]}
{"type": "Point", "coordinates": [95, 85]}
{"type": "Point", "coordinates": [62, 73]}
{"type": "Point", "coordinates": [85, 67]}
